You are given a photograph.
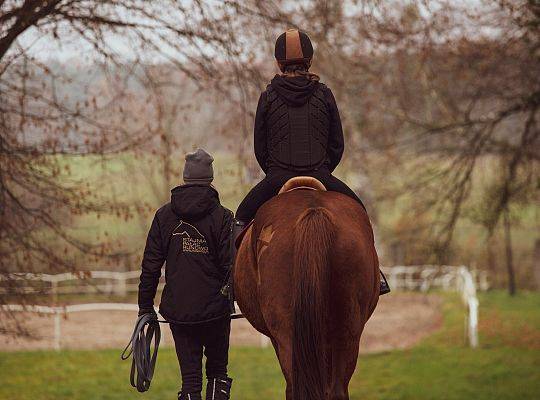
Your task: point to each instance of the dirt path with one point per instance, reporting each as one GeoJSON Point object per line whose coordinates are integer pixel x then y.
{"type": "Point", "coordinates": [400, 321]}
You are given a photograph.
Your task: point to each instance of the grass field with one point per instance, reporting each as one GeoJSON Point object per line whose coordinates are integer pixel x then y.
{"type": "Point", "coordinates": [506, 366]}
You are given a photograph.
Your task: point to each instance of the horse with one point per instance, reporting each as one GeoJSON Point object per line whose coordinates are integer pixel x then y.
{"type": "Point", "coordinates": [306, 275]}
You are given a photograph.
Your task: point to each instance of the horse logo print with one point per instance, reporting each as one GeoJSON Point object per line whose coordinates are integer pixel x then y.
{"type": "Point", "coordinates": [193, 241]}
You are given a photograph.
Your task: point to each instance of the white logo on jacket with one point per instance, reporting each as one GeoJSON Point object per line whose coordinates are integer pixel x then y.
{"type": "Point", "coordinates": [193, 241]}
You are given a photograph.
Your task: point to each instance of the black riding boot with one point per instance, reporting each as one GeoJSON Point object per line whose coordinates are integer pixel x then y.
{"type": "Point", "coordinates": [384, 288]}
{"type": "Point", "coordinates": [218, 388]}
{"type": "Point", "coordinates": [238, 228]}
{"type": "Point", "coordinates": [228, 289]}
{"type": "Point", "coordinates": [189, 396]}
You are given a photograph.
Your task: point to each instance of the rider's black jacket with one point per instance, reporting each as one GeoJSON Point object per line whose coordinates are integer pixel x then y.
{"type": "Point", "coordinates": [191, 235]}
{"type": "Point", "coordinates": [297, 126]}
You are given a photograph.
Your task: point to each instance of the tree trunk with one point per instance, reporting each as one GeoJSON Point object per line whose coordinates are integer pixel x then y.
{"type": "Point", "coordinates": [536, 263]}
{"type": "Point", "coordinates": [492, 265]}
{"type": "Point", "coordinates": [509, 254]}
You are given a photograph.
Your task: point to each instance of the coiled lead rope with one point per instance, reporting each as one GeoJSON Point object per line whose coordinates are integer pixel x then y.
{"type": "Point", "coordinates": [140, 346]}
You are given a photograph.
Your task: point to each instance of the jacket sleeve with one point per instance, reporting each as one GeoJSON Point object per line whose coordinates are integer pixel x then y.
{"type": "Point", "coordinates": [225, 243]}
{"type": "Point", "coordinates": [259, 138]}
{"type": "Point", "coordinates": [153, 259]}
{"type": "Point", "coordinates": [335, 139]}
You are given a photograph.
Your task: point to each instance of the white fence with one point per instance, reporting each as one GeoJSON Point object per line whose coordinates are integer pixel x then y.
{"type": "Point", "coordinates": [417, 278]}
{"type": "Point", "coordinates": [84, 282]}
{"type": "Point", "coordinates": [60, 312]}
{"type": "Point", "coordinates": [110, 282]}
{"type": "Point", "coordinates": [426, 277]}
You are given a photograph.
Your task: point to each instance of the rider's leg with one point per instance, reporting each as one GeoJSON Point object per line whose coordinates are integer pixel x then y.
{"type": "Point", "coordinates": [334, 184]}
{"type": "Point", "coordinates": [261, 193]}
{"type": "Point", "coordinates": [256, 197]}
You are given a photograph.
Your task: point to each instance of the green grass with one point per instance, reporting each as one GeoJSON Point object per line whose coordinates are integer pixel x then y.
{"type": "Point", "coordinates": [506, 366]}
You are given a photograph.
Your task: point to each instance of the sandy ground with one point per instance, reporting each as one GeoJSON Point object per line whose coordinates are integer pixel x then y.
{"type": "Point", "coordinates": [400, 321]}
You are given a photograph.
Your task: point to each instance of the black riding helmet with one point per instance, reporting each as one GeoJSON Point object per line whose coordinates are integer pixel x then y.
{"type": "Point", "coordinates": [293, 47]}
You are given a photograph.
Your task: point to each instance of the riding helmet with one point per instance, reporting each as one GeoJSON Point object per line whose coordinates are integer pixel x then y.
{"type": "Point", "coordinates": [293, 47]}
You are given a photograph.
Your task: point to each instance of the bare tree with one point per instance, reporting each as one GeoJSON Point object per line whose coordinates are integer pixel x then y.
{"type": "Point", "coordinates": [48, 111]}
{"type": "Point", "coordinates": [429, 89]}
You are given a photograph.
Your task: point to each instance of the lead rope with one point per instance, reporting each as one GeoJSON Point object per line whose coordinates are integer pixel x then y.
{"type": "Point", "coordinates": [144, 361]}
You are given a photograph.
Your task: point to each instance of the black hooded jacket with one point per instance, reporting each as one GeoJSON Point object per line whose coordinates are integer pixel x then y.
{"type": "Point", "coordinates": [295, 92]}
{"type": "Point", "coordinates": [191, 235]}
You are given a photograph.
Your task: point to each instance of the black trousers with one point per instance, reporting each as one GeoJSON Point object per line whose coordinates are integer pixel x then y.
{"type": "Point", "coordinates": [275, 179]}
{"type": "Point", "coordinates": [191, 341]}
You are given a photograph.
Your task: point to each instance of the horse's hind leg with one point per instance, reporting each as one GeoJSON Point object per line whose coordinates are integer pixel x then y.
{"type": "Point", "coordinates": [284, 355]}
{"type": "Point", "coordinates": [344, 358]}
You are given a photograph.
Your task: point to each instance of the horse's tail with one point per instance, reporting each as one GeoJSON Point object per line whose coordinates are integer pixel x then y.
{"type": "Point", "coordinates": [314, 235]}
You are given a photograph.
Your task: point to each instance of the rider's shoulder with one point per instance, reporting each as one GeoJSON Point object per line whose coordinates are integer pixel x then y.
{"type": "Point", "coordinates": [269, 89]}
{"type": "Point", "coordinates": [268, 94]}
{"type": "Point", "coordinates": [323, 87]}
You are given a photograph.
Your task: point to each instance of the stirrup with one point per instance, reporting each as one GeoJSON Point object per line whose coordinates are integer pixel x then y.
{"type": "Point", "coordinates": [384, 288]}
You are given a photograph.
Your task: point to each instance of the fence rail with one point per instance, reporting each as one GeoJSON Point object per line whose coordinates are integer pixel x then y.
{"type": "Point", "coordinates": [416, 278]}
{"type": "Point", "coordinates": [444, 277]}
{"type": "Point", "coordinates": [400, 277]}
{"type": "Point", "coordinates": [116, 282]}
{"type": "Point", "coordinates": [60, 311]}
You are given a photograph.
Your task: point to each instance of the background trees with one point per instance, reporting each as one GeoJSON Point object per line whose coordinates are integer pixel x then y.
{"type": "Point", "coordinates": [439, 101]}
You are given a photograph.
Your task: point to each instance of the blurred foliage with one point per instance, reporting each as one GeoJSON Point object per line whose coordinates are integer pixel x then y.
{"type": "Point", "coordinates": [439, 101]}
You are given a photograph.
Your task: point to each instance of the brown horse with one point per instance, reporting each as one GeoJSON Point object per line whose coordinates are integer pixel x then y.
{"type": "Point", "coordinates": [306, 275]}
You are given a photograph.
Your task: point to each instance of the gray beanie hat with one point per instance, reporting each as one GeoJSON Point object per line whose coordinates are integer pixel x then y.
{"type": "Point", "coordinates": [198, 167]}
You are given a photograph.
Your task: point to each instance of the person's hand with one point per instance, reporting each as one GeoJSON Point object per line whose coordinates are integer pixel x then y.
{"type": "Point", "coordinates": [143, 311]}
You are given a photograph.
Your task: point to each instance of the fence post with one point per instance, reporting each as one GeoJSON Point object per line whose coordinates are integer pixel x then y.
{"type": "Point", "coordinates": [473, 322]}
{"type": "Point", "coordinates": [57, 331]}
{"type": "Point", "coordinates": [121, 285]}
{"type": "Point", "coordinates": [54, 291]}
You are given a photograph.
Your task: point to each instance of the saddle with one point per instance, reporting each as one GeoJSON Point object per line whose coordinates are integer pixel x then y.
{"type": "Point", "coordinates": [302, 182]}
{"type": "Point", "coordinates": [296, 183]}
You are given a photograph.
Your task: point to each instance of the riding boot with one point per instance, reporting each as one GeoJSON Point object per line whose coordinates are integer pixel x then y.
{"type": "Point", "coordinates": [228, 289]}
{"type": "Point", "coordinates": [384, 287]}
{"type": "Point", "coordinates": [218, 388]}
{"type": "Point", "coordinates": [189, 396]}
{"type": "Point", "coordinates": [238, 228]}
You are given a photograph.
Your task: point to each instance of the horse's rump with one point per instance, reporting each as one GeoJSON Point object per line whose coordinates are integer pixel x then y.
{"type": "Point", "coordinates": [311, 284]}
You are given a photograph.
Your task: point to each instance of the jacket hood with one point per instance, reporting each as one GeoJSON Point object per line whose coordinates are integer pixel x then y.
{"type": "Point", "coordinates": [194, 201]}
{"type": "Point", "coordinates": [295, 90]}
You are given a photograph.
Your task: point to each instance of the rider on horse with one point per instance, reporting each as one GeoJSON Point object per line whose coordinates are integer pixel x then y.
{"type": "Point", "coordinates": [297, 129]}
